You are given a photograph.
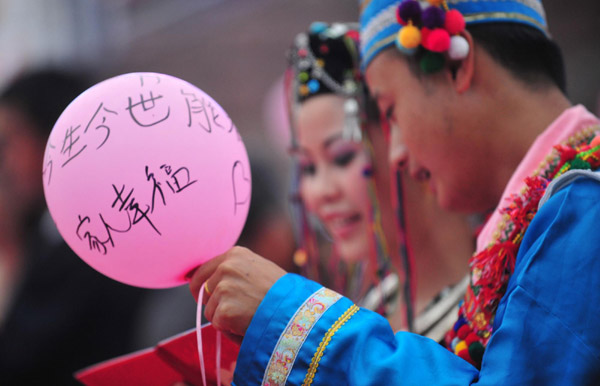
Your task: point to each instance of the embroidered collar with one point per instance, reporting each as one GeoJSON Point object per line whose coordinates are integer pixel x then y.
{"type": "Point", "coordinates": [492, 267]}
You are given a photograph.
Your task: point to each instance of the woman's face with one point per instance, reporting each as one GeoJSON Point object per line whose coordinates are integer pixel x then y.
{"type": "Point", "coordinates": [332, 184]}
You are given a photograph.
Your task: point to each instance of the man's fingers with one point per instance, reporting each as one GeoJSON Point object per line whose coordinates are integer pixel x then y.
{"type": "Point", "coordinates": [202, 273]}
{"type": "Point", "coordinates": [211, 306]}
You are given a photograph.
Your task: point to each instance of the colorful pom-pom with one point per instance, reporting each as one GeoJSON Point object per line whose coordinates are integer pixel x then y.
{"type": "Point", "coordinates": [463, 332]}
{"type": "Point", "coordinates": [472, 337]}
{"type": "Point", "coordinates": [458, 324]}
{"type": "Point", "coordinates": [464, 354]}
{"type": "Point", "coordinates": [404, 50]}
{"type": "Point", "coordinates": [450, 334]}
{"type": "Point", "coordinates": [460, 346]}
{"type": "Point", "coordinates": [459, 48]}
{"type": "Point", "coordinates": [409, 36]}
{"type": "Point", "coordinates": [409, 10]}
{"type": "Point", "coordinates": [455, 22]}
{"type": "Point", "coordinates": [318, 27]}
{"type": "Point", "coordinates": [398, 17]}
{"type": "Point", "coordinates": [302, 52]}
{"type": "Point", "coordinates": [435, 3]}
{"type": "Point", "coordinates": [434, 17]}
{"type": "Point", "coordinates": [324, 49]}
{"type": "Point", "coordinates": [303, 90]}
{"type": "Point", "coordinates": [303, 77]}
{"type": "Point", "coordinates": [300, 257]}
{"type": "Point", "coordinates": [476, 350]}
{"type": "Point", "coordinates": [425, 33]}
{"type": "Point", "coordinates": [313, 86]}
{"type": "Point", "coordinates": [432, 62]}
{"type": "Point", "coordinates": [454, 342]}
{"type": "Point", "coordinates": [437, 40]}
{"type": "Point", "coordinates": [354, 35]}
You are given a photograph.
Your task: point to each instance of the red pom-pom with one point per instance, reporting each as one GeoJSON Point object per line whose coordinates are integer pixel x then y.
{"type": "Point", "coordinates": [424, 34]}
{"type": "Point", "coordinates": [472, 337]}
{"type": "Point", "coordinates": [437, 40]}
{"type": "Point", "coordinates": [463, 332]}
{"type": "Point", "coordinates": [455, 22]}
{"type": "Point", "coordinates": [354, 35]}
{"type": "Point", "coordinates": [464, 354]}
{"type": "Point", "coordinates": [449, 336]}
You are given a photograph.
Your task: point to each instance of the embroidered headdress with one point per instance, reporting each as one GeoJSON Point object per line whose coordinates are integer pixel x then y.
{"type": "Point", "coordinates": [433, 27]}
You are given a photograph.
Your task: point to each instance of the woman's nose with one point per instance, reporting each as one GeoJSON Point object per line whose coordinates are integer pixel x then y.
{"type": "Point", "coordinates": [326, 186]}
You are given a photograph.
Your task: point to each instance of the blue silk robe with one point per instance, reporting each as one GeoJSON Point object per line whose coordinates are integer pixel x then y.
{"type": "Point", "coordinates": [546, 330]}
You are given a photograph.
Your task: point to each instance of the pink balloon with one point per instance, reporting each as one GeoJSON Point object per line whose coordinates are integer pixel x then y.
{"type": "Point", "coordinates": [147, 177]}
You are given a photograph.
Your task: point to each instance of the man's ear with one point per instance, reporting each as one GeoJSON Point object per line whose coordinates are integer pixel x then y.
{"type": "Point", "coordinates": [462, 71]}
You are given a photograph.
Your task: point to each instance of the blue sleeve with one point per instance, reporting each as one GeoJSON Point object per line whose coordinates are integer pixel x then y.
{"type": "Point", "coordinates": [545, 329]}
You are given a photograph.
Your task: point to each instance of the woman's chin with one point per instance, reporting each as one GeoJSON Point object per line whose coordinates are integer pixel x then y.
{"type": "Point", "coordinates": [351, 251]}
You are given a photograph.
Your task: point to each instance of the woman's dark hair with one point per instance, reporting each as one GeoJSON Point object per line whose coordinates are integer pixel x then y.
{"type": "Point", "coordinates": [43, 95]}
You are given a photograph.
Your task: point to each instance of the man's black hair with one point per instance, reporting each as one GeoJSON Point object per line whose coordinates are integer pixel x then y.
{"type": "Point", "coordinates": [525, 51]}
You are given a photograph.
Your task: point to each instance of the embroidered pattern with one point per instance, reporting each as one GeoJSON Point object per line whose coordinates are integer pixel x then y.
{"type": "Point", "coordinates": [293, 337]}
{"type": "Point", "coordinates": [492, 268]}
{"type": "Point", "coordinates": [314, 363]}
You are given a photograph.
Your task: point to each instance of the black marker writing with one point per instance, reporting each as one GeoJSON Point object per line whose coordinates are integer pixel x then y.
{"type": "Point", "coordinates": [147, 106]}
{"type": "Point", "coordinates": [129, 204]}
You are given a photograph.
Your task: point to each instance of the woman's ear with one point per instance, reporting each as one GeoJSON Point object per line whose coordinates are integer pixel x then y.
{"type": "Point", "coordinates": [462, 71]}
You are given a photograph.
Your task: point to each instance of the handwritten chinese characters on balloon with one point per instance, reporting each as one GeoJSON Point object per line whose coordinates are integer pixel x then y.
{"type": "Point", "coordinates": [77, 138]}
{"type": "Point", "coordinates": [145, 109]}
{"type": "Point", "coordinates": [125, 201]}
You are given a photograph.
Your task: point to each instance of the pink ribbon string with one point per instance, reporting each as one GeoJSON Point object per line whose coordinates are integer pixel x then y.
{"type": "Point", "coordinates": [199, 339]}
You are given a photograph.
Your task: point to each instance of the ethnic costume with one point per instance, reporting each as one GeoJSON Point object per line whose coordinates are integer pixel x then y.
{"type": "Point", "coordinates": [325, 61]}
{"type": "Point", "coordinates": [529, 315]}
{"type": "Point", "coordinates": [303, 333]}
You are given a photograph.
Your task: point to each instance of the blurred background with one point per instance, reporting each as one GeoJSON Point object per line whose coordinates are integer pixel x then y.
{"type": "Point", "coordinates": [235, 51]}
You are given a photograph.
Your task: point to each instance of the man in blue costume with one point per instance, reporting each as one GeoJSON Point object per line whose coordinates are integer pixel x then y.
{"type": "Point", "coordinates": [480, 114]}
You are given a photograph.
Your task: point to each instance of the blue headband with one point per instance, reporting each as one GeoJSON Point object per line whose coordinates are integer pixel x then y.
{"type": "Point", "coordinates": [379, 26]}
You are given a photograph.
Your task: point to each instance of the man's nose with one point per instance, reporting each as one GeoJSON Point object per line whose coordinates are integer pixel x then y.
{"type": "Point", "coordinates": [398, 156]}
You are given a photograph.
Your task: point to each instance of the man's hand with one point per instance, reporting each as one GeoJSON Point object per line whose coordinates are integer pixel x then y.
{"type": "Point", "coordinates": [237, 282]}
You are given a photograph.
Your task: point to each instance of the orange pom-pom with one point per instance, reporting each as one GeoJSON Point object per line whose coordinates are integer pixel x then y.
{"type": "Point", "coordinates": [409, 36]}
{"type": "Point", "coordinates": [437, 40]}
{"type": "Point", "coordinates": [455, 22]}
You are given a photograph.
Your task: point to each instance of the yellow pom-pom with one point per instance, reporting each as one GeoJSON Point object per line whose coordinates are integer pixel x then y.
{"type": "Point", "coordinates": [409, 36]}
{"type": "Point", "coordinates": [460, 346]}
{"type": "Point", "coordinates": [436, 3]}
{"type": "Point", "coordinates": [300, 257]}
{"type": "Point", "coordinates": [303, 90]}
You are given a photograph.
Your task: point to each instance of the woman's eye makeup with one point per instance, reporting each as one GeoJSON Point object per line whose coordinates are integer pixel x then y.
{"type": "Point", "coordinates": [344, 158]}
{"type": "Point", "coordinates": [307, 168]}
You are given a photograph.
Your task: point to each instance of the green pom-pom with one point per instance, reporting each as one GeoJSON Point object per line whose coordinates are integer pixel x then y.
{"type": "Point", "coordinates": [432, 62]}
{"type": "Point", "coordinates": [476, 351]}
{"type": "Point", "coordinates": [303, 77]}
{"type": "Point", "coordinates": [578, 163]}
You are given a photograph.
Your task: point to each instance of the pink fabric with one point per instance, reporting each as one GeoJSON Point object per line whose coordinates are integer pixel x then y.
{"type": "Point", "coordinates": [568, 123]}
